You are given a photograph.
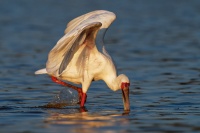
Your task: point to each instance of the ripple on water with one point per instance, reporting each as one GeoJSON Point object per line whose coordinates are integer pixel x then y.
{"type": "Point", "coordinates": [155, 43]}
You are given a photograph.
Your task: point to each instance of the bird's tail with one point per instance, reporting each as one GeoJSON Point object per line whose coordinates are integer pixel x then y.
{"type": "Point", "coordinates": [41, 71]}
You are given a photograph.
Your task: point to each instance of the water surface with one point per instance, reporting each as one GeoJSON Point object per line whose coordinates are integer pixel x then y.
{"type": "Point", "coordinates": [155, 43]}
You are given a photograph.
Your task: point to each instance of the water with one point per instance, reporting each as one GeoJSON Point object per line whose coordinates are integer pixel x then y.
{"type": "Point", "coordinates": [156, 43]}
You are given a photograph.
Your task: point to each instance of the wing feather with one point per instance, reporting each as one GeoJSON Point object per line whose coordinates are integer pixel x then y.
{"type": "Point", "coordinates": [103, 16]}
{"type": "Point", "coordinates": [60, 56]}
{"type": "Point", "coordinates": [70, 52]}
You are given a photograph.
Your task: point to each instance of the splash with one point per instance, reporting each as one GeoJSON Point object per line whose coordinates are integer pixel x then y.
{"type": "Point", "coordinates": [66, 97]}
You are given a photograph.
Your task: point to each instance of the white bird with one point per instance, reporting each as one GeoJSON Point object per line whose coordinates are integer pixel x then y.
{"type": "Point", "coordinates": [75, 57]}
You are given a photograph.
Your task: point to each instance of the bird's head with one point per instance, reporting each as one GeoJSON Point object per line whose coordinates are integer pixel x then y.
{"type": "Point", "coordinates": [124, 85]}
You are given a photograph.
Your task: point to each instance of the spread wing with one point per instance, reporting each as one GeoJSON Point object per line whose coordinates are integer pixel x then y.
{"type": "Point", "coordinates": [60, 56]}
{"type": "Point", "coordinates": [103, 16]}
{"type": "Point", "coordinates": [80, 30]}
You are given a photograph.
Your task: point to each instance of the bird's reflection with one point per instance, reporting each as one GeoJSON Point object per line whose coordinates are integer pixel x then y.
{"type": "Point", "coordinates": [83, 119]}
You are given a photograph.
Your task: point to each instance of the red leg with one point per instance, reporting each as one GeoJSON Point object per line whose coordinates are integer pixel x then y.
{"type": "Point", "coordinates": [66, 84]}
{"type": "Point", "coordinates": [82, 96]}
{"type": "Point", "coordinates": [83, 99]}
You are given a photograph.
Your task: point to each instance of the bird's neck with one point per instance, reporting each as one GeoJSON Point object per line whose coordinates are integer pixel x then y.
{"type": "Point", "coordinates": [113, 83]}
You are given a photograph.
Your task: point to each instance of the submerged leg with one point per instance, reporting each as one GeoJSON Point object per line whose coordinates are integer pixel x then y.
{"type": "Point", "coordinates": [82, 96]}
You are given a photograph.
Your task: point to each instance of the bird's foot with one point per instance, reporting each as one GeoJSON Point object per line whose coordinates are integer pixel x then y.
{"type": "Point", "coordinates": [83, 109]}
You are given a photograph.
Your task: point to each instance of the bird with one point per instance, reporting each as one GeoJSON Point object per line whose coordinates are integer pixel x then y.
{"type": "Point", "coordinates": [79, 59]}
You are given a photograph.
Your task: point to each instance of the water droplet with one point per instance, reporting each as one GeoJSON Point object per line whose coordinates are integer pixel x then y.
{"type": "Point", "coordinates": [66, 97]}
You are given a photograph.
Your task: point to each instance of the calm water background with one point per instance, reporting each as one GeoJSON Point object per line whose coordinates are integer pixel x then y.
{"type": "Point", "coordinates": [156, 43]}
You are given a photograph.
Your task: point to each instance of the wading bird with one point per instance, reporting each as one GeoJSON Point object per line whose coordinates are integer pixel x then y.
{"type": "Point", "coordinates": [76, 58]}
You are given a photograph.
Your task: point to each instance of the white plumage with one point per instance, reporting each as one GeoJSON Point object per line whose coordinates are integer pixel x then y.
{"type": "Point", "coordinates": [75, 57]}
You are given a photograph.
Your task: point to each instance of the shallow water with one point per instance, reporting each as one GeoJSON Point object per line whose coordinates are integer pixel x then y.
{"type": "Point", "coordinates": [156, 43]}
